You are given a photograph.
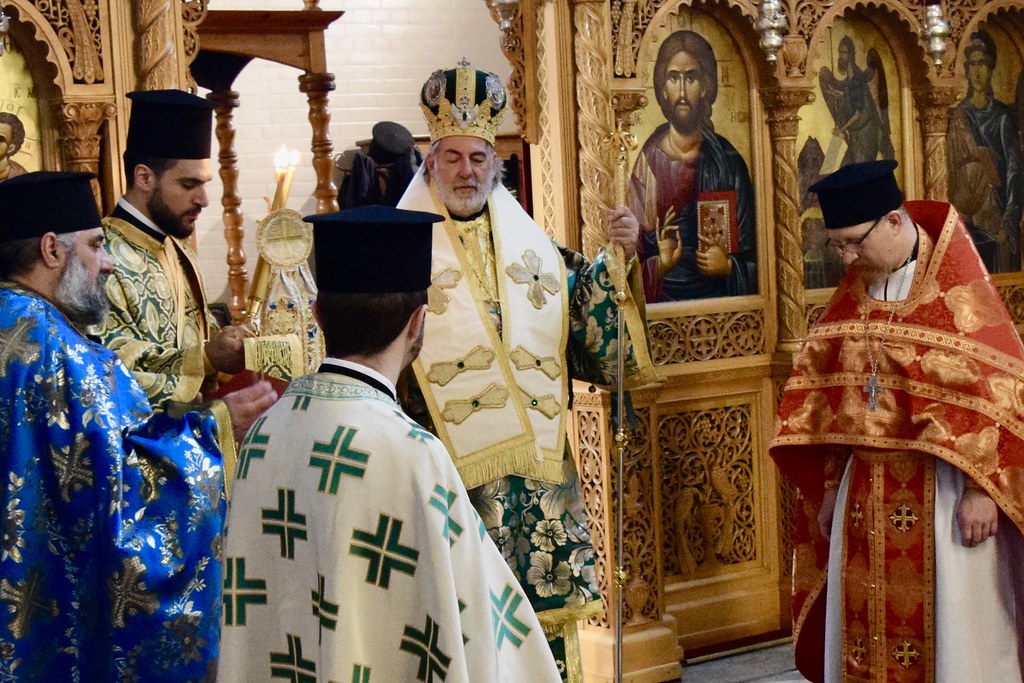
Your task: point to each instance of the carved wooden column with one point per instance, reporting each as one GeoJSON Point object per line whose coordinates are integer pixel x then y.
{"type": "Point", "coordinates": [650, 649]}
{"type": "Point", "coordinates": [933, 103]}
{"type": "Point", "coordinates": [80, 136]}
{"type": "Point", "coordinates": [783, 104]}
{"type": "Point", "coordinates": [156, 44]}
{"type": "Point", "coordinates": [316, 86]}
{"type": "Point", "coordinates": [595, 123]}
{"type": "Point", "coordinates": [224, 104]}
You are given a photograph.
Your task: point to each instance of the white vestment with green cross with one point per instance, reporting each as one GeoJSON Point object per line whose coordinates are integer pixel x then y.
{"type": "Point", "coordinates": [353, 554]}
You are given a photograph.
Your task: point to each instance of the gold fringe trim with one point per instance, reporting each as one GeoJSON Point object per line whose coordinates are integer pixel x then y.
{"type": "Point", "coordinates": [548, 470]}
{"type": "Point", "coordinates": [513, 457]}
{"type": "Point", "coordinates": [226, 441]}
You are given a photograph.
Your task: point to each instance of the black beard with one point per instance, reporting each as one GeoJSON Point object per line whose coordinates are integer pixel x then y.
{"type": "Point", "coordinates": [166, 220]}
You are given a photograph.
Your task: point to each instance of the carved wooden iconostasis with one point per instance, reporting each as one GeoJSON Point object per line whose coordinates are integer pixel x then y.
{"type": "Point", "coordinates": [70, 63]}
{"type": "Point", "coordinates": [706, 517]}
{"type": "Point", "coordinates": [67, 67]}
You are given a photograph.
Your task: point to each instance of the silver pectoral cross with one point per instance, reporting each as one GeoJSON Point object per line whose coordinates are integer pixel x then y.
{"type": "Point", "coordinates": [871, 389]}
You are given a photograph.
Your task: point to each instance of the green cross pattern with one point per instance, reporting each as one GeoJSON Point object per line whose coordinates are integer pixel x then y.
{"type": "Point", "coordinates": [291, 526]}
{"type": "Point", "coordinates": [240, 591]}
{"type": "Point", "coordinates": [423, 644]}
{"type": "Point", "coordinates": [290, 665]}
{"type": "Point", "coordinates": [323, 609]}
{"type": "Point", "coordinates": [503, 614]}
{"type": "Point", "coordinates": [462, 608]}
{"type": "Point", "coordinates": [360, 673]}
{"type": "Point", "coordinates": [300, 404]}
{"type": "Point", "coordinates": [442, 501]}
{"type": "Point", "coordinates": [416, 432]}
{"type": "Point", "coordinates": [338, 453]}
{"type": "Point", "coordinates": [384, 551]}
{"type": "Point", "coordinates": [254, 446]}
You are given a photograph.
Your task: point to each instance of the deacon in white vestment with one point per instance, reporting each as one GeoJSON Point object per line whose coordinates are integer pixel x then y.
{"type": "Point", "coordinates": [353, 552]}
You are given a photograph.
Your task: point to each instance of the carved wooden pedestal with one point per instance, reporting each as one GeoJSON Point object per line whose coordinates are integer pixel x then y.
{"type": "Point", "coordinates": [650, 650]}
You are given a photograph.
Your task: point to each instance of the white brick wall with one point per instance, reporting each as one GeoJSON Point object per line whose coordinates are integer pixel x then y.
{"type": "Point", "coordinates": [380, 52]}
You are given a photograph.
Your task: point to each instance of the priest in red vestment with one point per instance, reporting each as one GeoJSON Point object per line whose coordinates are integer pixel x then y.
{"type": "Point", "coordinates": [902, 428]}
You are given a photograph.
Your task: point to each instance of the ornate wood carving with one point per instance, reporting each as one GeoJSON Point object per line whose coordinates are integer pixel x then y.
{"type": "Point", "coordinates": [642, 561]}
{"type": "Point", "coordinates": [707, 489]}
{"type": "Point", "coordinates": [642, 592]}
{"type": "Point", "coordinates": [316, 86]}
{"type": "Point", "coordinates": [788, 496]}
{"type": "Point", "coordinates": [629, 22]}
{"type": "Point", "coordinates": [546, 135]}
{"type": "Point", "coordinates": [155, 54]}
{"type": "Point", "coordinates": [591, 427]}
{"type": "Point", "coordinates": [80, 136]}
{"type": "Point", "coordinates": [595, 120]}
{"type": "Point", "coordinates": [512, 47]}
{"type": "Point", "coordinates": [192, 14]}
{"type": "Point", "coordinates": [782, 105]}
{"type": "Point", "coordinates": [813, 311]}
{"type": "Point", "coordinates": [518, 83]}
{"type": "Point", "coordinates": [1013, 296]}
{"type": "Point", "coordinates": [224, 104]}
{"type": "Point", "coordinates": [707, 336]}
{"type": "Point", "coordinates": [933, 103]}
{"type": "Point", "coordinates": [78, 26]}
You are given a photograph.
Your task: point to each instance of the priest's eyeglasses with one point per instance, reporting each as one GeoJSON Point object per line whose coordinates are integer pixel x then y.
{"type": "Point", "coordinates": [840, 247]}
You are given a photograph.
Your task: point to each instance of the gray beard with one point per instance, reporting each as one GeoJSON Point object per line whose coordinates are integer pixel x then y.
{"type": "Point", "coordinates": [81, 301]}
{"type": "Point", "coordinates": [460, 205]}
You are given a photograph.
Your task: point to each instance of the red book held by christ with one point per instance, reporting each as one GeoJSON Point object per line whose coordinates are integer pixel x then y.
{"type": "Point", "coordinates": [716, 220]}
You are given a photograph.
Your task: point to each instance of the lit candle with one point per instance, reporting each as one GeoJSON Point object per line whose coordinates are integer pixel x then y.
{"type": "Point", "coordinates": [293, 161]}
{"type": "Point", "coordinates": [280, 194]}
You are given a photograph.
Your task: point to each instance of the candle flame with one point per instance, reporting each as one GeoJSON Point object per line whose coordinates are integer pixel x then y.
{"type": "Point", "coordinates": [293, 158]}
{"type": "Point", "coordinates": [281, 158]}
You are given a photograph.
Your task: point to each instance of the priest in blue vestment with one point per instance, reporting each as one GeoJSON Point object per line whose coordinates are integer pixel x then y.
{"type": "Point", "coordinates": [110, 555]}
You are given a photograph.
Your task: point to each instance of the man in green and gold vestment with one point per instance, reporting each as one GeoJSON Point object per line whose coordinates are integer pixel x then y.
{"type": "Point", "coordinates": [160, 323]}
{"type": "Point", "coordinates": [110, 555]}
{"type": "Point", "coordinates": [353, 552]}
{"type": "Point", "coordinates": [512, 317]}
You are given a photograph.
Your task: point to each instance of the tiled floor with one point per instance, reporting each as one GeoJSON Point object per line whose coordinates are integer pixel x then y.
{"type": "Point", "coordinates": [773, 664]}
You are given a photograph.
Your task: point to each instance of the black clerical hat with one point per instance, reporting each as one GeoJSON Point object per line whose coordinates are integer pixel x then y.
{"type": "Point", "coordinates": [389, 142]}
{"type": "Point", "coordinates": [169, 124]}
{"type": "Point", "coordinates": [858, 193]}
{"type": "Point", "coordinates": [36, 203]}
{"type": "Point", "coordinates": [373, 249]}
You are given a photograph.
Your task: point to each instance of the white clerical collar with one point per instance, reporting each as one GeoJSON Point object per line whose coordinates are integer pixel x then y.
{"type": "Point", "coordinates": [127, 206]}
{"type": "Point", "coordinates": [363, 370]}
